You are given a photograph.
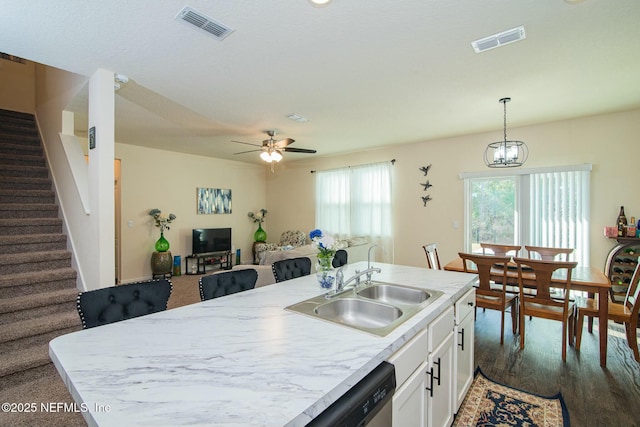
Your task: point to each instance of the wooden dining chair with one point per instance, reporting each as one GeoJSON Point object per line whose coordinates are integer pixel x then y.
{"type": "Point", "coordinates": [500, 250]}
{"type": "Point", "coordinates": [488, 296]}
{"type": "Point", "coordinates": [626, 313]}
{"type": "Point", "coordinates": [433, 260]}
{"type": "Point", "coordinates": [543, 304]}
{"type": "Point", "coordinates": [548, 253]}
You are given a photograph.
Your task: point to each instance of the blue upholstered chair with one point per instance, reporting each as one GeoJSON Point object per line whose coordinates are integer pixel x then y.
{"type": "Point", "coordinates": [226, 283]}
{"type": "Point", "coordinates": [116, 303]}
{"type": "Point", "coordinates": [291, 268]}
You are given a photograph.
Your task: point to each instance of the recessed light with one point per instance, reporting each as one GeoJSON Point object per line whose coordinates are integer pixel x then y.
{"type": "Point", "coordinates": [320, 3]}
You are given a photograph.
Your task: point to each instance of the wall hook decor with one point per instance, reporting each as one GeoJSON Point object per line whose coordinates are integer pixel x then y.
{"type": "Point", "coordinates": [426, 199]}
{"type": "Point", "coordinates": [425, 169]}
{"type": "Point", "coordinates": [426, 185]}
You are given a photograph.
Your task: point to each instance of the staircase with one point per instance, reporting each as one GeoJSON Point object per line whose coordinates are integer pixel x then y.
{"type": "Point", "coordinates": [37, 284]}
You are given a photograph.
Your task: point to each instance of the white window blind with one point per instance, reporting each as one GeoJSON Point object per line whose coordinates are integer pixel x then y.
{"type": "Point", "coordinates": [559, 212]}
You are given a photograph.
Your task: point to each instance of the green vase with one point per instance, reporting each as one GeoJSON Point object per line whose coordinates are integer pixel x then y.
{"type": "Point", "coordinates": [260, 235]}
{"type": "Point", "coordinates": [162, 245]}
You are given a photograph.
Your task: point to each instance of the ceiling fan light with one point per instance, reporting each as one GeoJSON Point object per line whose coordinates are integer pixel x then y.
{"type": "Point", "coordinates": [320, 3]}
{"type": "Point", "coordinates": [276, 156]}
{"type": "Point", "coordinates": [266, 156]}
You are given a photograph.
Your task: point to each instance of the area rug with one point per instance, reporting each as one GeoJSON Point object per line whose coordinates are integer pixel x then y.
{"type": "Point", "coordinates": [491, 404]}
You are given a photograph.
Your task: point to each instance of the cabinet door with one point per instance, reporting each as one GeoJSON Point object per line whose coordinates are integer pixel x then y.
{"type": "Point", "coordinates": [408, 407]}
{"type": "Point", "coordinates": [463, 359]}
{"type": "Point", "coordinates": [440, 395]}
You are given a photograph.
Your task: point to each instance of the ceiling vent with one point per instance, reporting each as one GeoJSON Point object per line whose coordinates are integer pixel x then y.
{"type": "Point", "coordinates": [500, 39]}
{"type": "Point", "coordinates": [213, 28]}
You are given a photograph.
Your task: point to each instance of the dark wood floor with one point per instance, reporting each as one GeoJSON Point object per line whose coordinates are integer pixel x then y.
{"type": "Point", "coordinates": [595, 396]}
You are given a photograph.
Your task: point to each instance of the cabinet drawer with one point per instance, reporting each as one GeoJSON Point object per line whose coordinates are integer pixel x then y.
{"type": "Point", "coordinates": [440, 328]}
{"type": "Point", "coordinates": [410, 356]}
{"type": "Point", "coordinates": [465, 305]}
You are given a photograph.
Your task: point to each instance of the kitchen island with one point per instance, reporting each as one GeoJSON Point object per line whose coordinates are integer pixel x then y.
{"type": "Point", "coordinates": [239, 360]}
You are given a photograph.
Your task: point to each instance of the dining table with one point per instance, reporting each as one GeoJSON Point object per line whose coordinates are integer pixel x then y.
{"type": "Point", "coordinates": [587, 279]}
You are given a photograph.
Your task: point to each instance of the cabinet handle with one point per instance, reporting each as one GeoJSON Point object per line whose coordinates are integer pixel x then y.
{"type": "Point", "coordinates": [430, 388]}
{"type": "Point", "coordinates": [461, 343]}
{"type": "Point", "coordinates": [438, 377]}
{"type": "Point", "coordinates": [470, 303]}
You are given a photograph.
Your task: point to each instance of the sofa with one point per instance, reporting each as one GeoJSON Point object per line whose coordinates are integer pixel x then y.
{"type": "Point", "coordinates": [289, 239]}
{"type": "Point", "coordinates": [357, 250]}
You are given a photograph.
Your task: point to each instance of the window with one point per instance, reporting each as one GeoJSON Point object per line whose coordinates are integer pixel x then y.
{"type": "Point", "coordinates": [540, 207]}
{"type": "Point", "coordinates": [356, 201]}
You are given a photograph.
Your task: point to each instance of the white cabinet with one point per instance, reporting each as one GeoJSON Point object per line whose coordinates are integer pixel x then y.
{"type": "Point", "coordinates": [464, 334]}
{"type": "Point", "coordinates": [424, 376]}
{"type": "Point", "coordinates": [408, 404]}
{"type": "Point", "coordinates": [440, 374]}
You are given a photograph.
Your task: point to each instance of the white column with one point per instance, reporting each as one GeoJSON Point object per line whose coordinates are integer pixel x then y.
{"type": "Point", "coordinates": [101, 178]}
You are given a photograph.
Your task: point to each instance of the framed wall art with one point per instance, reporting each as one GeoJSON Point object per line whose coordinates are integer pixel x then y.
{"type": "Point", "coordinates": [214, 201]}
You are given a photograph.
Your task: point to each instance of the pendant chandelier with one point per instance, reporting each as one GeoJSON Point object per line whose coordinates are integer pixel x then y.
{"type": "Point", "coordinates": [506, 154]}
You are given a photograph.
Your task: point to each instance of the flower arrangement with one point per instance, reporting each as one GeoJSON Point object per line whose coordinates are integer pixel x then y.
{"type": "Point", "coordinates": [162, 221]}
{"type": "Point", "coordinates": [325, 243]}
{"type": "Point", "coordinates": [258, 216]}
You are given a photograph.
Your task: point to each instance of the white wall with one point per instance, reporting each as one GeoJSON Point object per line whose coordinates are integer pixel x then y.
{"type": "Point", "coordinates": [608, 141]}
{"type": "Point", "coordinates": [168, 181]}
{"type": "Point", "coordinates": [54, 90]}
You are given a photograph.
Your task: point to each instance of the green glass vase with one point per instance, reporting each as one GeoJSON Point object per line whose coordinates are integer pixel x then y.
{"type": "Point", "coordinates": [162, 245]}
{"type": "Point", "coordinates": [260, 235]}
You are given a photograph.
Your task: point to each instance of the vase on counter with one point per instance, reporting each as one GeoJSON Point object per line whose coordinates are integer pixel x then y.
{"type": "Point", "coordinates": [162, 245]}
{"type": "Point", "coordinates": [325, 273]}
{"type": "Point", "coordinates": [260, 235]}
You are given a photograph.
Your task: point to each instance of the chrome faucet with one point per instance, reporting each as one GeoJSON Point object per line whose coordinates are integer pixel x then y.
{"type": "Point", "coordinates": [369, 274]}
{"type": "Point", "coordinates": [341, 285]}
{"type": "Point", "coordinates": [369, 255]}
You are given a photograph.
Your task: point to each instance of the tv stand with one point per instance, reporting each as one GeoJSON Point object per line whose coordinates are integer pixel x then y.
{"type": "Point", "coordinates": [218, 260]}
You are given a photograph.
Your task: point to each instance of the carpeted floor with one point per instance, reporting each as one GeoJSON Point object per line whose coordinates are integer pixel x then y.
{"type": "Point", "coordinates": [492, 404]}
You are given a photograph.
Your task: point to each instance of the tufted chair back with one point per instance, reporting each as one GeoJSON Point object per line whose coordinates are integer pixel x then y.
{"type": "Point", "coordinates": [340, 258]}
{"type": "Point", "coordinates": [291, 268]}
{"type": "Point", "coordinates": [116, 303]}
{"type": "Point", "coordinates": [229, 282]}
{"type": "Point", "coordinates": [294, 238]}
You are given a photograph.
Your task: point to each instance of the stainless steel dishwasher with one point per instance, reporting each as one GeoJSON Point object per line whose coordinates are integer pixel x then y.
{"type": "Point", "coordinates": [367, 403]}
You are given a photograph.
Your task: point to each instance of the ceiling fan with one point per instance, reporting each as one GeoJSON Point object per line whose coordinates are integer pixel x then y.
{"type": "Point", "coordinates": [272, 149]}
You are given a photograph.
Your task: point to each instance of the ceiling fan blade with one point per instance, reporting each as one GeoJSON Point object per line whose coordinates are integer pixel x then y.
{"type": "Point", "coordinates": [247, 143]}
{"type": "Point", "coordinates": [299, 150]}
{"type": "Point", "coordinates": [250, 151]}
{"type": "Point", "coordinates": [283, 142]}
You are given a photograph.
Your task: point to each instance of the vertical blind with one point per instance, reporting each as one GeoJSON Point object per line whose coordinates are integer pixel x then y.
{"type": "Point", "coordinates": [559, 211]}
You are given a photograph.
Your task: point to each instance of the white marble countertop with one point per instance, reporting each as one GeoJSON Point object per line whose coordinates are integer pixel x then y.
{"type": "Point", "coordinates": [240, 360]}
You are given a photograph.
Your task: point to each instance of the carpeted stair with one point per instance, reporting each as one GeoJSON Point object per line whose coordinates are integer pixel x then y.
{"type": "Point", "coordinates": [37, 284]}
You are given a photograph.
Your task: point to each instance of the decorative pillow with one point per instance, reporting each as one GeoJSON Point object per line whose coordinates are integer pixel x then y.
{"type": "Point", "coordinates": [357, 241]}
{"type": "Point", "coordinates": [293, 238]}
{"type": "Point", "coordinates": [341, 244]}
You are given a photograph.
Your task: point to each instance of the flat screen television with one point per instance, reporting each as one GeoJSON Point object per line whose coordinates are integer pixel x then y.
{"type": "Point", "coordinates": [208, 240]}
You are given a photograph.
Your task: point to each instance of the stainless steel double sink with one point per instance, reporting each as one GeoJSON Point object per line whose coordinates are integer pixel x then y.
{"type": "Point", "coordinates": [377, 308]}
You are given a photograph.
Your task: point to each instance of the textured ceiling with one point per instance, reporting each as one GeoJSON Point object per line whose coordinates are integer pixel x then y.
{"type": "Point", "coordinates": [367, 73]}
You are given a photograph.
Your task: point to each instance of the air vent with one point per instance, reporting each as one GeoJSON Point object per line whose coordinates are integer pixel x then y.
{"type": "Point", "coordinates": [210, 26]}
{"type": "Point", "coordinates": [497, 40]}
